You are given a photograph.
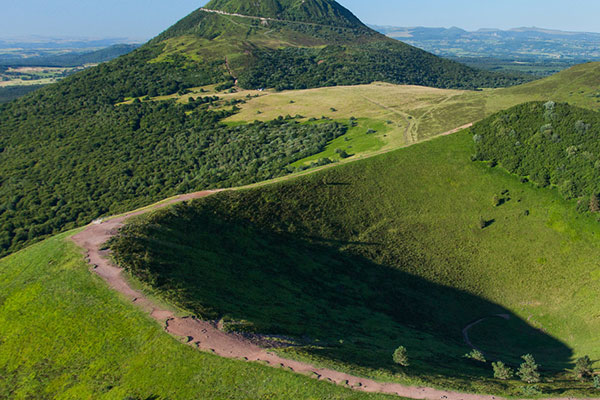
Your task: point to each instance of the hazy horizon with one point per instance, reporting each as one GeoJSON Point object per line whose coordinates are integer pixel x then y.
{"type": "Point", "coordinates": [138, 20]}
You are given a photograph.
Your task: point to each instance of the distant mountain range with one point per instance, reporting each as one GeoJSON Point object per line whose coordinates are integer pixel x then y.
{"type": "Point", "coordinates": [70, 58]}
{"type": "Point", "coordinates": [526, 43]}
{"type": "Point", "coordinates": [53, 43]}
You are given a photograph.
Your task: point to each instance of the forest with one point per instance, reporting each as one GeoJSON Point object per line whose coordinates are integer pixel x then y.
{"type": "Point", "coordinates": [550, 144]}
{"type": "Point", "coordinates": [302, 68]}
{"type": "Point", "coordinates": [58, 173]}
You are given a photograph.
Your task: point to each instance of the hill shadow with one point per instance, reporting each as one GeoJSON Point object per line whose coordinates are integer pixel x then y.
{"type": "Point", "coordinates": [342, 307]}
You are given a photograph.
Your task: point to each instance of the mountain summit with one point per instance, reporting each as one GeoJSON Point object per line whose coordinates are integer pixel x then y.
{"type": "Point", "coordinates": [325, 12]}
{"type": "Point", "coordinates": [297, 44]}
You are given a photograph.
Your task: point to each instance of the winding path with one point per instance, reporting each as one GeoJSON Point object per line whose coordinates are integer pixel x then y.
{"type": "Point", "coordinates": [467, 328]}
{"type": "Point", "coordinates": [205, 336]}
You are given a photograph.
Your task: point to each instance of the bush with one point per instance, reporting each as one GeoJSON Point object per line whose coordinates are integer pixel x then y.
{"type": "Point", "coordinates": [342, 153]}
{"type": "Point", "coordinates": [583, 368]}
{"type": "Point", "coordinates": [476, 355]}
{"type": "Point", "coordinates": [482, 223]}
{"type": "Point", "coordinates": [531, 390]}
{"type": "Point", "coordinates": [502, 371]}
{"type": "Point", "coordinates": [401, 357]}
{"type": "Point", "coordinates": [528, 371]}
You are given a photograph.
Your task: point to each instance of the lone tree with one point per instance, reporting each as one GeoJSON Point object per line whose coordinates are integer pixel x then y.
{"type": "Point", "coordinates": [476, 355]}
{"type": "Point", "coordinates": [583, 368]}
{"type": "Point", "coordinates": [528, 371]}
{"type": "Point", "coordinates": [401, 357]}
{"type": "Point", "coordinates": [502, 371]}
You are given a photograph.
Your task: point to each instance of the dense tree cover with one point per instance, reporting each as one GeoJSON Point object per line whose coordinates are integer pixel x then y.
{"type": "Point", "coordinates": [14, 92]}
{"type": "Point", "coordinates": [56, 173]}
{"type": "Point", "coordinates": [300, 68]}
{"type": "Point", "coordinates": [133, 75]}
{"type": "Point", "coordinates": [548, 143]}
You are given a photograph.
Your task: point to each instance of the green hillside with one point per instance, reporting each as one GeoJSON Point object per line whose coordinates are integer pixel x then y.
{"type": "Point", "coordinates": [578, 85]}
{"type": "Point", "coordinates": [307, 44]}
{"type": "Point", "coordinates": [401, 249]}
{"type": "Point", "coordinates": [65, 335]}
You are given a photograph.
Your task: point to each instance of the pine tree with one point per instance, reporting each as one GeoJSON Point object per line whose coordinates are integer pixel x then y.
{"type": "Point", "coordinates": [502, 371]}
{"type": "Point", "coordinates": [528, 371]}
{"type": "Point", "coordinates": [583, 368]}
{"type": "Point", "coordinates": [401, 357]}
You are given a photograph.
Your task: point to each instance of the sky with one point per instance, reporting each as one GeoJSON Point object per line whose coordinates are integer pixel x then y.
{"type": "Point", "coordinates": [143, 19]}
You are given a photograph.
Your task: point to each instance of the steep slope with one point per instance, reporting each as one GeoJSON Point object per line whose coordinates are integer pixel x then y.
{"type": "Point", "coordinates": [297, 44]}
{"type": "Point", "coordinates": [327, 12]}
{"type": "Point", "coordinates": [64, 334]}
{"type": "Point", "coordinates": [407, 249]}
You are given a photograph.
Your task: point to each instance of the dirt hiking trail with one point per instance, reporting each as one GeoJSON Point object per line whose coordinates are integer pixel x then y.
{"type": "Point", "coordinates": [205, 336]}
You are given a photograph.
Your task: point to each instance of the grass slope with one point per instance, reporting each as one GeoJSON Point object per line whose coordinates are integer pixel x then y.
{"type": "Point", "coordinates": [65, 335]}
{"type": "Point", "coordinates": [357, 260]}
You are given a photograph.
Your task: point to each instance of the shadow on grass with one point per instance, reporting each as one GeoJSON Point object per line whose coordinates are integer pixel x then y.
{"type": "Point", "coordinates": [350, 309]}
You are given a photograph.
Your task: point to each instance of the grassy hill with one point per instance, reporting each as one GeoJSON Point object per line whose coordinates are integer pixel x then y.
{"type": "Point", "coordinates": [65, 335]}
{"type": "Point", "coordinates": [327, 12]}
{"type": "Point", "coordinates": [401, 249]}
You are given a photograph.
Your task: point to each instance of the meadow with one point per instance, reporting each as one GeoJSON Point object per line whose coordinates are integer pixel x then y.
{"type": "Point", "coordinates": [65, 335]}
{"type": "Point", "coordinates": [403, 115]}
{"type": "Point", "coordinates": [406, 249]}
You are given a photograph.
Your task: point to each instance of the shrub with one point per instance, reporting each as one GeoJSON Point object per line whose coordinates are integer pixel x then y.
{"type": "Point", "coordinates": [528, 371]}
{"type": "Point", "coordinates": [583, 368]}
{"type": "Point", "coordinates": [502, 371]}
{"type": "Point", "coordinates": [482, 223]}
{"type": "Point", "coordinates": [596, 382]}
{"type": "Point", "coordinates": [476, 355]}
{"type": "Point", "coordinates": [401, 357]}
{"type": "Point", "coordinates": [531, 390]}
{"type": "Point", "coordinates": [342, 153]}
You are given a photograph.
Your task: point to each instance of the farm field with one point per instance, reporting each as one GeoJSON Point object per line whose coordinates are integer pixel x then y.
{"type": "Point", "coordinates": [30, 76]}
